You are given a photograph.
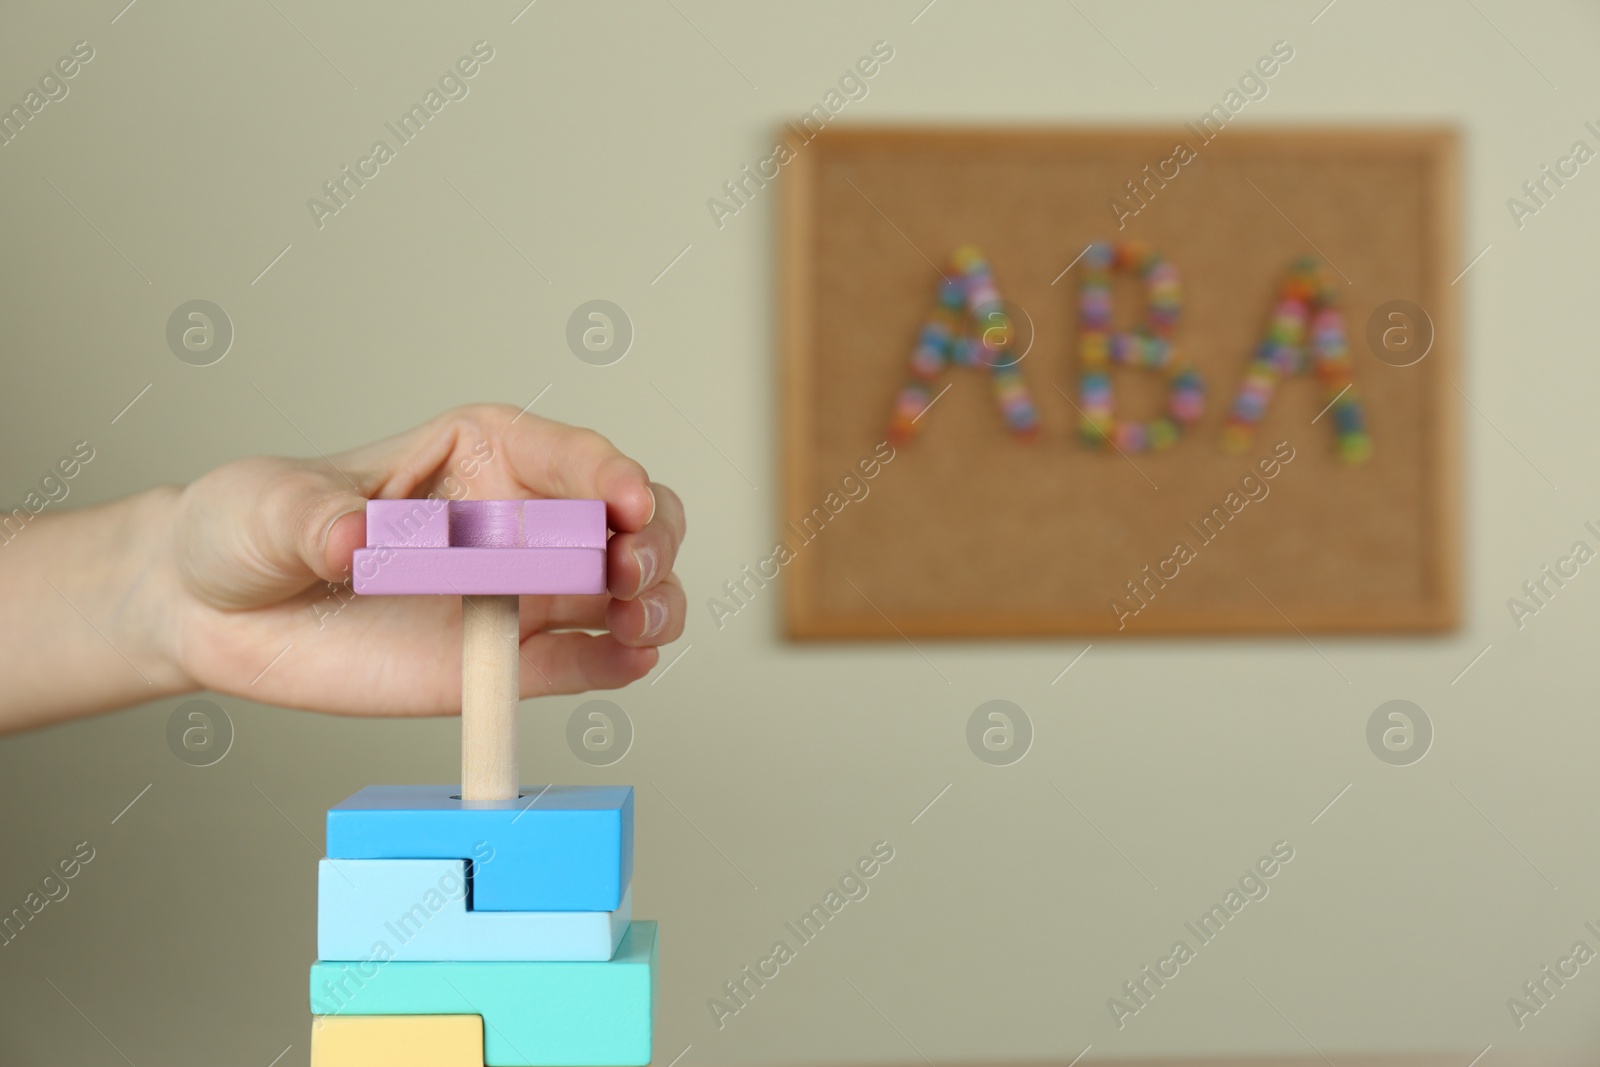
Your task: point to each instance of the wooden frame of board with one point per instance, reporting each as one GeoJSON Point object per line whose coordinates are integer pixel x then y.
{"type": "Point", "coordinates": [867, 212]}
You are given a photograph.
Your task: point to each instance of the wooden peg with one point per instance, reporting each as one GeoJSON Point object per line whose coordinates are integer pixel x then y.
{"type": "Point", "coordinates": [491, 683]}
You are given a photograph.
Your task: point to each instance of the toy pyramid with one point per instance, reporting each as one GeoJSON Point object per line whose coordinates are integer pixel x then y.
{"type": "Point", "coordinates": [485, 924]}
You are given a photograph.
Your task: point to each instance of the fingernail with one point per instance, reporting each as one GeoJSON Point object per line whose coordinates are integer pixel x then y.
{"type": "Point", "coordinates": [327, 530]}
{"type": "Point", "coordinates": [644, 557]}
{"type": "Point", "coordinates": [652, 493]}
{"type": "Point", "coordinates": [655, 615]}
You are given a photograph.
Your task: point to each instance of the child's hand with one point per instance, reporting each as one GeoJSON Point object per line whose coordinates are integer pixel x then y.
{"type": "Point", "coordinates": [259, 549]}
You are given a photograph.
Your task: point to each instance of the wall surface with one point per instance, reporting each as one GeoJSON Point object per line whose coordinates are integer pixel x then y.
{"type": "Point", "coordinates": [579, 167]}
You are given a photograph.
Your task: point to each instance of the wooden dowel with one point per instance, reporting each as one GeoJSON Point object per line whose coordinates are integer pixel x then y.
{"type": "Point", "coordinates": [490, 688]}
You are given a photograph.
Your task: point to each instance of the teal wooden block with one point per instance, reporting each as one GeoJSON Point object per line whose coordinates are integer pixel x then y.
{"type": "Point", "coordinates": [558, 848]}
{"type": "Point", "coordinates": [417, 910]}
{"type": "Point", "coordinates": [534, 1014]}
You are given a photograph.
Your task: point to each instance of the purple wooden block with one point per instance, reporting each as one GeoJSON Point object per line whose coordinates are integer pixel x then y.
{"type": "Point", "coordinates": [564, 523]}
{"type": "Point", "coordinates": [439, 523]}
{"type": "Point", "coordinates": [386, 571]}
{"type": "Point", "coordinates": [486, 524]}
{"type": "Point", "coordinates": [472, 547]}
{"type": "Point", "coordinates": [419, 523]}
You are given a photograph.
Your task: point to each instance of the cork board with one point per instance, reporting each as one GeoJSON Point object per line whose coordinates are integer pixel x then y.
{"type": "Point", "coordinates": [967, 531]}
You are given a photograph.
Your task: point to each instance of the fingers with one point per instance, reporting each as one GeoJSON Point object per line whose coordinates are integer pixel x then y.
{"type": "Point", "coordinates": [346, 533]}
{"type": "Point", "coordinates": [554, 459]}
{"type": "Point", "coordinates": [259, 529]}
{"type": "Point", "coordinates": [573, 663]}
{"type": "Point", "coordinates": [291, 522]}
{"type": "Point", "coordinates": [326, 522]}
{"type": "Point", "coordinates": [649, 606]}
{"type": "Point", "coordinates": [655, 618]}
{"type": "Point", "coordinates": [401, 465]}
{"type": "Point", "coordinates": [531, 456]}
{"type": "Point", "coordinates": [563, 613]}
{"type": "Point", "coordinates": [637, 561]}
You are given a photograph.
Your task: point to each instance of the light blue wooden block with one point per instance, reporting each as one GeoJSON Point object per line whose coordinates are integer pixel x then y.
{"type": "Point", "coordinates": [417, 910]}
{"type": "Point", "coordinates": [558, 848]}
{"type": "Point", "coordinates": [534, 1014]}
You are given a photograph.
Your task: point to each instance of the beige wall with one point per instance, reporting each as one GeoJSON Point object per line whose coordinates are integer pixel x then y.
{"type": "Point", "coordinates": [1006, 919]}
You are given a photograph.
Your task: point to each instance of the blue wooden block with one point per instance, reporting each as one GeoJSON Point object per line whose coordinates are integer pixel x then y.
{"type": "Point", "coordinates": [558, 848]}
{"type": "Point", "coordinates": [534, 1014]}
{"type": "Point", "coordinates": [417, 910]}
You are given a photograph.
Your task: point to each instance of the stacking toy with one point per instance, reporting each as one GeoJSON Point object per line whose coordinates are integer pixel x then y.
{"type": "Point", "coordinates": [485, 923]}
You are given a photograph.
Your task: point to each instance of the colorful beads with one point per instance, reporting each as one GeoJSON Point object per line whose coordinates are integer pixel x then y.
{"type": "Point", "coordinates": [1307, 307]}
{"type": "Point", "coordinates": [945, 340]}
{"type": "Point", "coordinates": [1151, 347]}
{"type": "Point", "coordinates": [971, 327]}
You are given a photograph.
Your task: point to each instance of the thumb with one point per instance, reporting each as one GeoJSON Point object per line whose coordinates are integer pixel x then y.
{"type": "Point", "coordinates": [256, 530]}
{"type": "Point", "coordinates": [344, 533]}
{"type": "Point", "coordinates": [313, 523]}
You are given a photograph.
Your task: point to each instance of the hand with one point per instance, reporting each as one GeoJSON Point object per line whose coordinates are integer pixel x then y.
{"type": "Point", "coordinates": [259, 549]}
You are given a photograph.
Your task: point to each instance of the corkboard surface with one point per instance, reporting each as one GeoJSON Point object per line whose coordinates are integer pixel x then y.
{"type": "Point", "coordinates": [968, 532]}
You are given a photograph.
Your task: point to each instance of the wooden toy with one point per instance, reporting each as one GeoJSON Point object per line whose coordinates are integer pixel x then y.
{"type": "Point", "coordinates": [442, 907]}
{"type": "Point", "coordinates": [487, 552]}
{"type": "Point", "coordinates": [418, 910]}
{"type": "Point", "coordinates": [482, 924]}
{"type": "Point", "coordinates": [397, 1041]}
{"type": "Point", "coordinates": [534, 1014]}
{"type": "Point", "coordinates": [559, 848]}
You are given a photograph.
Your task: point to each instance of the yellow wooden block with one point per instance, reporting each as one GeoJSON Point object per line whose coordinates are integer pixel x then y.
{"type": "Point", "coordinates": [397, 1041]}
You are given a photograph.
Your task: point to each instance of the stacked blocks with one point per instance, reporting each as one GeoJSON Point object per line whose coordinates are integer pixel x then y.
{"type": "Point", "coordinates": [472, 547]}
{"type": "Point", "coordinates": [511, 915]}
{"type": "Point", "coordinates": [482, 932]}
{"type": "Point", "coordinates": [399, 1040]}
